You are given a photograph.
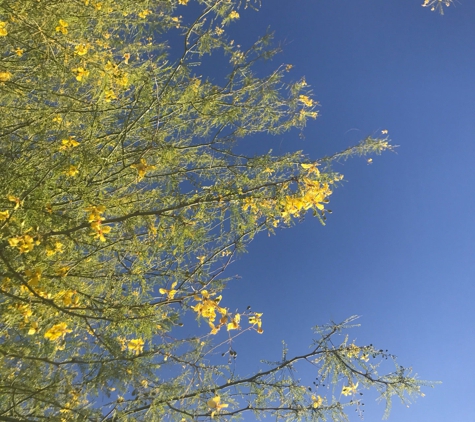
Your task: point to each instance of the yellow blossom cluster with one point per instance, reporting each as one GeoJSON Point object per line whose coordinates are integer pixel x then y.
{"type": "Point", "coordinates": [144, 13]}
{"type": "Point", "coordinates": [24, 243]}
{"type": "Point", "coordinates": [33, 281]}
{"type": "Point", "coordinates": [62, 27]}
{"type": "Point", "coordinates": [81, 49]}
{"type": "Point", "coordinates": [313, 194]}
{"type": "Point", "coordinates": [34, 277]}
{"type": "Point", "coordinates": [69, 143]}
{"type": "Point", "coordinates": [353, 351]}
{"type": "Point", "coordinates": [136, 345]}
{"type": "Point", "coordinates": [258, 206]}
{"type": "Point", "coordinates": [109, 95]}
{"type": "Point", "coordinates": [57, 332]}
{"type": "Point", "coordinates": [350, 389]}
{"type": "Point", "coordinates": [96, 218]}
{"type": "Point", "coordinates": [120, 77]}
{"type": "Point", "coordinates": [57, 248]}
{"type": "Point", "coordinates": [81, 73]}
{"type": "Point", "coordinates": [25, 310]}
{"type": "Point", "coordinates": [316, 401]}
{"type": "Point", "coordinates": [3, 29]}
{"type": "Point", "coordinates": [5, 76]}
{"type": "Point", "coordinates": [68, 297]}
{"type": "Point", "coordinates": [169, 293]}
{"type": "Point", "coordinates": [207, 308]}
{"type": "Point", "coordinates": [306, 100]}
{"type": "Point", "coordinates": [71, 171]}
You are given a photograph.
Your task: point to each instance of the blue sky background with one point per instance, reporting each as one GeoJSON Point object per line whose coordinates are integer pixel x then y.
{"type": "Point", "coordinates": [398, 248]}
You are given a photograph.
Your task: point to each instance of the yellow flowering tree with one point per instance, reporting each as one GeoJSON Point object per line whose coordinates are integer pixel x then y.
{"type": "Point", "coordinates": [122, 203]}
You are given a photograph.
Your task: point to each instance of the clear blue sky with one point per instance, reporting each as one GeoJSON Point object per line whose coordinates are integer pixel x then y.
{"type": "Point", "coordinates": [399, 247]}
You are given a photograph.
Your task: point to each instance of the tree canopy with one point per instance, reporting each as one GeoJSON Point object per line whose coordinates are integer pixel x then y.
{"type": "Point", "coordinates": [123, 201]}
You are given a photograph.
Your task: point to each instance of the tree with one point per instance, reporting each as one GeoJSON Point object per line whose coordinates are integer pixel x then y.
{"type": "Point", "coordinates": [123, 201]}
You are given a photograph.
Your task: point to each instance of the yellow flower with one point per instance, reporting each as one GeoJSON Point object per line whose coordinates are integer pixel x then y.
{"type": "Point", "coordinates": [126, 58]}
{"type": "Point", "coordinates": [68, 143]}
{"type": "Point", "coordinates": [142, 168]}
{"type": "Point", "coordinates": [100, 230]}
{"type": "Point", "coordinates": [81, 73]}
{"type": "Point", "coordinates": [214, 329]}
{"type": "Point", "coordinates": [256, 320]}
{"type": "Point", "coordinates": [170, 293]}
{"type": "Point", "coordinates": [72, 171]}
{"type": "Point", "coordinates": [34, 277]}
{"type": "Point", "coordinates": [349, 389]}
{"type": "Point", "coordinates": [14, 199]}
{"type": "Point", "coordinates": [312, 168]}
{"type": "Point", "coordinates": [183, 2]}
{"type": "Point", "coordinates": [352, 351]}
{"type": "Point", "coordinates": [234, 324]}
{"type": "Point", "coordinates": [136, 345]}
{"type": "Point", "coordinates": [143, 14]}
{"type": "Point", "coordinates": [111, 67]}
{"type": "Point", "coordinates": [57, 331]}
{"type": "Point", "coordinates": [307, 101]}
{"type": "Point", "coordinates": [4, 215]}
{"type": "Point", "coordinates": [234, 15]}
{"type": "Point", "coordinates": [62, 272]}
{"type": "Point", "coordinates": [67, 297]}
{"type": "Point", "coordinates": [62, 27]}
{"type": "Point", "coordinates": [316, 401]}
{"type": "Point", "coordinates": [19, 51]}
{"type": "Point", "coordinates": [208, 306]}
{"type": "Point", "coordinates": [122, 80]}
{"type": "Point", "coordinates": [5, 76]}
{"type": "Point", "coordinates": [218, 31]}
{"type": "Point", "coordinates": [14, 241]}
{"type": "Point", "coordinates": [81, 49]}
{"type": "Point", "coordinates": [216, 405]}
{"type": "Point", "coordinates": [95, 212]}
{"type": "Point", "coordinates": [33, 328]}
{"type": "Point", "coordinates": [3, 30]}
{"type": "Point", "coordinates": [58, 248]}
{"type": "Point", "coordinates": [24, 243]}
{"type": "Point", "coordinates": [25, 310]}
{"type": "Point", "coordinates": [109, 96]}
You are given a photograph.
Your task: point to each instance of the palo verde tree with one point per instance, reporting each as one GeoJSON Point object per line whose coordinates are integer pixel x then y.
{"type": "Point", "coordinates": [123, 200]}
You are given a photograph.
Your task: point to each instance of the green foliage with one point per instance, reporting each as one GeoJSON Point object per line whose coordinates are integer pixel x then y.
{"type": "Point", "coordinates": [123, 200]}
